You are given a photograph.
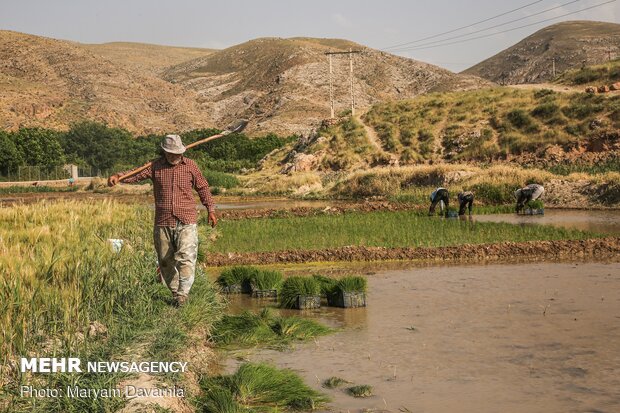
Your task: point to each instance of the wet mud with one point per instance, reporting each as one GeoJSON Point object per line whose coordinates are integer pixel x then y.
{"type": "Point", "coordinates": [496, 338]}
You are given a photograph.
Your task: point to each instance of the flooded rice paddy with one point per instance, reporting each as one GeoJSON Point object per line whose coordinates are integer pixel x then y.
{"type": "Point", "coordinates": [509, 338]}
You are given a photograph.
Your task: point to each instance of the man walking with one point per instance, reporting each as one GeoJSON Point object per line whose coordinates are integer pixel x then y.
{"type": "Point", "coordinates": [175, 234]}
{"type": "Point", "coordinates": [529, 193]}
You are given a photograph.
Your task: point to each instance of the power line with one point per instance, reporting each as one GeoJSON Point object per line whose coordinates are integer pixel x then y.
{"type": "Point", "coordinates": [413, 48]}
{"type": "Point", "coordinates": [463, 27]}
{"type": "Point", "coordinates": [498, 25]}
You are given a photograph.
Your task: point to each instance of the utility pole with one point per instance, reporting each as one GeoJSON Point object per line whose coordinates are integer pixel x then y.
{"type": "Point", "coordinates": [351, 78]}
{"type": "Point", "coordinates": [331, 91]}
{"type": "Point", "coordinates": [331, 87]}
{"type": "Point", "coordinates": [553, 60]}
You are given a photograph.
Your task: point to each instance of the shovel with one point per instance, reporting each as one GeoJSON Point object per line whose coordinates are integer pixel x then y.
{"type": "Point", "coordinates": [234, 127]}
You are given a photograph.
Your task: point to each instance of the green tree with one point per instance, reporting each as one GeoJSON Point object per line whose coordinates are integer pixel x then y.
{"type": "Point", "coordinates": [39, 147]}
{"type": "Point", "coordinates": [10, 156]}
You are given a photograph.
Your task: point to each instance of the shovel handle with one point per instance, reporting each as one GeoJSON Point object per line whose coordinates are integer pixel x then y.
{"type": "Point", "coordinates": [191, 145]}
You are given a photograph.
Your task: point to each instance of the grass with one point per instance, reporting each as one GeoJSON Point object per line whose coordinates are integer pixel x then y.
{"type": "Point", "coordinates": [604, 73]}
{"type": "Point", "coordinates": [58, 275]}
{"type": "Point", "coordinates": [298, 286]}
{"type": "Point", "coordinates": [258, 387]}
{"type": "Point", "coordinates": [488, 124]}
{"type": "Point", "coordinates": [380, 229]}
{"type": "Point", "coordinates": [250, 329]}
{"type": "Point", "coordinates": [18, 189]}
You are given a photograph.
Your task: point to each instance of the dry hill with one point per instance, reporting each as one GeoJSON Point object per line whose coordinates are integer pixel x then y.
{"type": "Point", "coordinates": [571, 44]}
{"type": "Point", "coordinates": [145, 57]}
{"type": "Point", "coordinates": [52, 83]}
{"type": "Point", "coordinates": [285, 82]}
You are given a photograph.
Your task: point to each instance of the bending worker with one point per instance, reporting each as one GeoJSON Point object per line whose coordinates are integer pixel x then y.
{"type": "Point", "coordinates": [528, 193]}
{"type": "Point", "coordinates": [441, 196]}
{"type": "Point", "coordinates": [466, 199]}
{"type": "Point", "coordinates": [175, 233]}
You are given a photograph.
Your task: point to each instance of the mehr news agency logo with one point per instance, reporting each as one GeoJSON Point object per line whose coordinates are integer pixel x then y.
{"type": "Point", "coordinates": [51, 365]}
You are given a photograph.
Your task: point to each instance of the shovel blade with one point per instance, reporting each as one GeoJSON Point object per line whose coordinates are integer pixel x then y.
{"type": "Point", "coordinates": [237, 126]}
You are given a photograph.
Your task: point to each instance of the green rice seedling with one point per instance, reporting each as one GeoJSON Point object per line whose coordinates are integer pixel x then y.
{"type": "Point", "coordinates": [351, 284]}
{"type": "Point", "coordinates": [297, 328]}
{"type": "Point", "coordinates": [334, 382]}
{"type": "Point", "coordinates": [326, 283]}
{"type": "Point", "coordinates": [250, 329]}
{"type": "Point", "coordinates": [261, 386]}
{"type": "Point", "coordinates": [381, 229]}
{"type": "Point", "coordinates": [363, 390]}
{"type": "Point", "coordinates": [245, 329]}
{"type": "Point", "coordinates": [536, 204]}
{"type": "Point", "coordinates": [266, 280]}
{"type": "Point", "coordinates": [237, 276]}
{"type": "Point", "coordinates": [294, 287]}
{"type": "Point", "coordinates": [220, 400]}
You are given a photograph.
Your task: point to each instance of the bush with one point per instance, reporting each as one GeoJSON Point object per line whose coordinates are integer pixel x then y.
{"type": "Point", "coordinates": [220, 179]}
{"type": "Point", "coordinates": [546, 110]}
{"type": "Point", "coordinates": [298, 286]}
{"type": "Point", "coordinates": [543, 93]}
{"type": "Point", "coordinates": [521, 120]}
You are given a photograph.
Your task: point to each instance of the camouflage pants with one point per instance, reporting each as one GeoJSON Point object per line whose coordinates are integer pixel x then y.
{"type": "Point", "coordinates": [177, 249]}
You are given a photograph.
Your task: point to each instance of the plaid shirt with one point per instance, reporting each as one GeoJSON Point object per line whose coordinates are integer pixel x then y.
{"type": "Point", "coordinates": [172, 187]}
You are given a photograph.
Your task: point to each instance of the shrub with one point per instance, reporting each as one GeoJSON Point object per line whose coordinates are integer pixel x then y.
{"type": "Point", "coordinates": [521, 120]}
{"type": "Point", "coordinates": [542, 93]}
{"type": "Point", "coordinates": [298, 286]}
{"type": "Point", "coordinates": [546, 110]}
{"type": "Point", "coordinates": [220, 179]}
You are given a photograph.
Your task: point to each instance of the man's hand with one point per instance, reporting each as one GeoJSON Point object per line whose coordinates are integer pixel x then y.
{"type": "Point", "coordinates": [113, 180]}
{"type": "Point", "coordinates": [212, 219]}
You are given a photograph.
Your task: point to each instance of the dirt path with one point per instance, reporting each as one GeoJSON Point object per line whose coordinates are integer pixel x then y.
{"type": "Point", "coordinates": [560, 88]}
{"type": "Point", "coordinates": [373, 138]}
{"type": "Point", "coordinates": [600, 248]}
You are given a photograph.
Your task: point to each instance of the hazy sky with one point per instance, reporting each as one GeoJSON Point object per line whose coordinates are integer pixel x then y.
{"type": "Point", "coordinates": [378, 23]}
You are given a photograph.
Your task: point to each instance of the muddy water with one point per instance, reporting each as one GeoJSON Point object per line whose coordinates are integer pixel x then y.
{"type": "Point", "coordinates": [498, 338]}
{"type": "Point", "coordinates": [605, 222]}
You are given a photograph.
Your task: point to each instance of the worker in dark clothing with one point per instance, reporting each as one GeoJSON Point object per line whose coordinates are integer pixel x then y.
{"type": "Point", "coordinates": [466, 199]}
{"type": "Point", "coordinates": [527, 194]}
{"type": "Point", "coordinates": [442, 197]}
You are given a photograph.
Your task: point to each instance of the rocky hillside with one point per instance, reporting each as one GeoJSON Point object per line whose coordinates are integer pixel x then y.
{"type": "Point", "coordinates": [52, 83]}
{"type": "Point", "coordinates": [285, 82]}
{"type": "Point", "coordinates": [569, 43]}
{"type": "Point", "coordinates": [145, 57]}
{"type": "Point", "coordinates": [282, 83]}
